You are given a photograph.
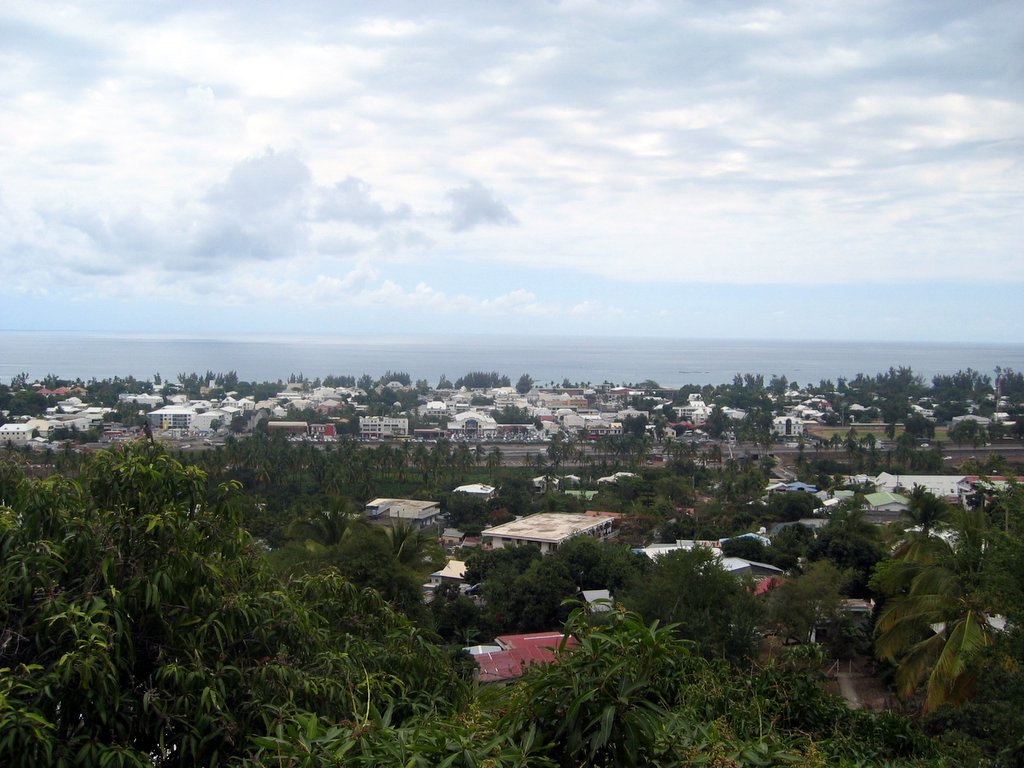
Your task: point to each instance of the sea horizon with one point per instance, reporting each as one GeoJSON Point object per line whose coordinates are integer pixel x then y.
{"type": "Point", "coordinates": [670, 361]}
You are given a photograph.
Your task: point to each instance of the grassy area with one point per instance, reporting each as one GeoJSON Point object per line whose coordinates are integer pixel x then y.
{"type": "Point", "coordinates": [823, 432]}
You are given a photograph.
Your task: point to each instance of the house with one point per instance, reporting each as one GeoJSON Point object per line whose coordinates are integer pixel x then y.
{"type": "Point", "coordinates": [794, 487]}
{"type": "Point", "coordinates": [205, 420]}
{"type": "Point", "coordinates": [478, 490]}
{"type": "Point", "coordinates": [695, 412]}
{"type": "Point", "coordinates": [548, 530]}
{"type": "Point", "coordinates": [510, 655]}
{"type": "Point", "coordinates": [743, 567]}
{"type": "Point", "coordinates": [541, 483]}
{"type": "Point", "coordinates": [884, 507]}
{"type": "Point", "coordinates": [420, 514]}
{"type": "Point", "coordinates": [737, 565]}
{"type": "Point", "coordinates": [141, 399]}
{"type": "Point", "coordinates": [885, 502]}
{"type": "Point", "coordinates": [453, 573]}
{"type": "Point", "coordinates": [759, 537]}
{"type": "Point", "coordinates": [654, 551]}
{"type": "Point", "coordinates": [943, 486]}
{"type": "Point", "coordinates": [452, 537]}
{"type": "Point", "coordinates": [598, 600]}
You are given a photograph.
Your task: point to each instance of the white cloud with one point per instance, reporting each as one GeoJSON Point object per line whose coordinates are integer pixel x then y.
{"type": "Point", "coordinates": [155, 147]}
{"type": "Point", "coordinates": [474, 205]}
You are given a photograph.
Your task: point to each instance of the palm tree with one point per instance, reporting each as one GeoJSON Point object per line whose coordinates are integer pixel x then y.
{"type": "Point", "coordinates": [936, 621]}
{"type": "Point", "coordinates": [926, 510]}
{"type": "Point", "coordinates": [328, 526]}
{"type": "Point", "coordinates": [407, 543]}
{"type": "Point", "coordinates": [494, 459]}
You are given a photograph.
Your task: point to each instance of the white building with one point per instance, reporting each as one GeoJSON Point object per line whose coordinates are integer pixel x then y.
{"type": "Point", "coordinates": [944, 486]}
{"type": "Point", "coordinates": [204, 421]}
{"type": "Point", "coordinates": [413, 511]}
{"type": "Point", "coordinates": [787, 426]}
{"type": "Point", "coordinates": [171, 417]}
{"type": "Point", "coordinates": [472, 424]}
{"type": "Point", "coordinates": [477, 489]}
{"type": "Point", "coordinates": [435, 409]}
{"type": "Point", "coordinates": [378, 427]}
{"type": "Point", "coordinates": [141, 399]}
{"type": "Point", "coordinates": [548, 530]}
{"type": "Point", "coordinates": [696, 411]}
{"type": "Point", "coordinates": [15, 433]}
{"type": "Point", "coordinates": [454, 572]}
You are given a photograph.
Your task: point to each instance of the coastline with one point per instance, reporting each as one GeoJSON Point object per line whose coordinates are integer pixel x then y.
{"type": "Point", "coordinates": [672, 362]}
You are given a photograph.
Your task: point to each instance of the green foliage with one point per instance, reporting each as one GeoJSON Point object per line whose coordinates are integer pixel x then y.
{"type": "Point", "coordinates": [962, 385]}
{"type": "Point", "coordinates": [850, 543]}
{"type": "Point", "coordinates": [788, 507]}
{"type": "Point", "coordinates": [813, 599]}
{"type": "Point", "coordinates": [935, 622]}
{"type": "Point", "coordinates": [142, 628]}
{"type": "Point", "coordinates": [595, 564]}
{"type": "Point", "coordinates": [603, 703]}
{"type": "Point", "coordinates": [525, 384]}
{"type": "Point", "coordinates": [746, 547]}
{"type": "Point", "coordinates": [482, 380]}
{"type": "Point", "coordinates": [705, 604]}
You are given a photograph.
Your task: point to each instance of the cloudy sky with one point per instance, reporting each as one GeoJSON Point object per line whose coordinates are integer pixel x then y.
{"type": "Point", "coordinates": [812, 169]}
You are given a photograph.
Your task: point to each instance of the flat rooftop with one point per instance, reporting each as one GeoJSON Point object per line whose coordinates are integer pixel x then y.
{"type": "Point", "coordinates": [548, 526]}
{"type": "Point", "coordinates": [408, 503]}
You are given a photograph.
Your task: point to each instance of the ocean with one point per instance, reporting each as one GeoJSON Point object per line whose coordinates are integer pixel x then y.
{"type": "Point", "coordinates": [669, 362]}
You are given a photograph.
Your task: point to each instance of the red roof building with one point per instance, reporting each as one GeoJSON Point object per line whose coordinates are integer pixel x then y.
{"type": "Point", "coordinates": [516, 652]}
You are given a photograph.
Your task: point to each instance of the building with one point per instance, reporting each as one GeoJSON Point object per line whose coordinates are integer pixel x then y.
{"type": "Point", "coordinates": [171, 417]}
{"type": "Point", "coordinates": [141, 399]}
{"type": "Point", "coordinates": [322, 431]}
{"type": "Point", "coordinates": [787, 426]}
{"type": "Point", "coordinates": [510, 655]}
{"type": "Point", "coordinates": [420, 514]}
{"type": "Point", "coordinates": [598, 600]}
{"type": "Point", "coordinates": [944, 486]}
{"type": "Point", "coordinates": [452, 537]}
{"type": "Point", "coordinates": [15, 433]}
{"type": "Point", "coordinates": [884, 507]}
{"type": "Point", "coordinates": [288, 427]}
{"type": "Point", "coordinates": [548, 530]}
{"type": "Point", "coordinates": [206, 420]}
{"type": "Point", "coordinates": [695, 412]}
{"type": "Point", "coordinates": [472, 424]}
{"type": "Point", "coordinates": [381, 427]}
{"type": "Point", "coordinates": [453, 573]}
{"type": "Point", "coordinates": [479, 490]}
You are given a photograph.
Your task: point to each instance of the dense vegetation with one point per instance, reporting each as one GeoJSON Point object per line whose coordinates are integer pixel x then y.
{"type": "Point", "coordinates": [233, 606]}
{"type": "Point", "coordinates": [143, 626]}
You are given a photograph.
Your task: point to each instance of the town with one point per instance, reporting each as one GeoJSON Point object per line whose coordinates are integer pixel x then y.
{"type": "Point", "coordinates": [751, 518]}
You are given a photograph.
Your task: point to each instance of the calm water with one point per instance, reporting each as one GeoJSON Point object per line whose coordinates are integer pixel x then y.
{"type": "Point", "coordinates": [670, 362]}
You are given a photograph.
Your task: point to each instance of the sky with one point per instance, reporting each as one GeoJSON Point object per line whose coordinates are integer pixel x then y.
{"type": "Point", "coordinates": [783, 170]}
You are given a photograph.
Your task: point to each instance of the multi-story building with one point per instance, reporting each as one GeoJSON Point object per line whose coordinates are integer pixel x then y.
{"type": "Point", "coordinates": [548, 530]}
{"type": "Point", "coordinates": [378, 427]}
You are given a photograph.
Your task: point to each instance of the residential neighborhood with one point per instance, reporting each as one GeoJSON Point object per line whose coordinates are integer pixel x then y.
{"type": "Point", "coordinates": [749, 517]}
